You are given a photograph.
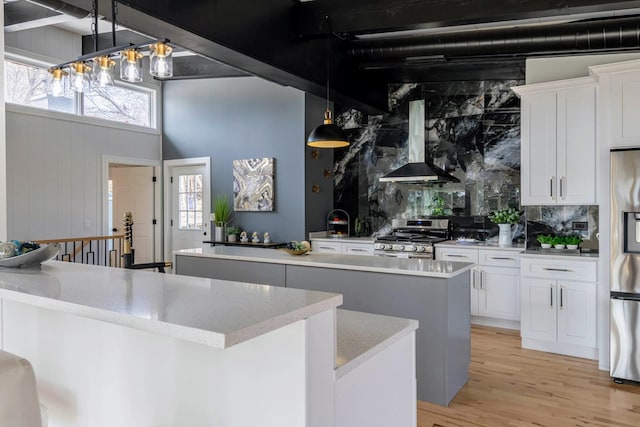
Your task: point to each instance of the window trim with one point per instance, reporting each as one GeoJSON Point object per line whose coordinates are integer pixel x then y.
{"type": "Point", "coordinates": [25, 58]}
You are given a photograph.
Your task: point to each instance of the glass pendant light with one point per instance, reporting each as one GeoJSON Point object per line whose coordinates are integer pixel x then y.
{"type": "Point", "coordinates": [160, 61]}
{"type": "Point", "coordinates": [56, 82]}
{"type": "Point", "coordinates": [79, 77]}
{"type": "Point", "coordinates": [103, 70]}
{"type": "Point", "coordinates": [327, 135]}
{"type": "Point", "coordinates": [131, 66]}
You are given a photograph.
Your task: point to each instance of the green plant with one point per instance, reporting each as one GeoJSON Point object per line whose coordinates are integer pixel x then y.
{"type": "Point", "coordinates": [573, 240]}
{"type": "Point", "coordinates": [233, 230]}
{"type": "Point", "coordinates": [559, 240]}
{"type": "Point", "coordinates": [222, 210]}
{"type": "Point", "coordinates": [545, 239]}
{"type": "Point", "coordinates": [505, 216]}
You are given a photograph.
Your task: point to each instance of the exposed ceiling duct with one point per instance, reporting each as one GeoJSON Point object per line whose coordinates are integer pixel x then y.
{"type": "Point", "coordinates": [62, 7]}
{"type": "Point", "coordinates": [589, 36]}
{"type": "Point", "coordinates": [27, 14]}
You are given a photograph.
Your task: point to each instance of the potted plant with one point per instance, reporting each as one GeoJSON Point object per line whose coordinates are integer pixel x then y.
{"type": "Point", "coordinates": [559, 242]}
{"type": "Point", "coordinates": [505, 218]}
{"type": "Point", "coordinates": [222, 213]}
{"type": "Point", "coordinates": [546, 241]}
{"type": "Point", "coordinates": [573, 241]}
{"type": "Point", "coordinates": [232, 233]}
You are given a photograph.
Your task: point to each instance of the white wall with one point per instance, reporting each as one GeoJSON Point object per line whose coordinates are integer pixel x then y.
{"type": "Point", "coordinates": [54, 171]}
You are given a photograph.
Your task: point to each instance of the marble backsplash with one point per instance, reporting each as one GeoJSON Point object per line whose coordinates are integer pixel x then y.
{"type": "Point", "coordinates": [560, 220]}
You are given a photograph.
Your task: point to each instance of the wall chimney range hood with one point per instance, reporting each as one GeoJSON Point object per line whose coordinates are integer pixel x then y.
{"type": "Point", "coordinates": [418, 171]}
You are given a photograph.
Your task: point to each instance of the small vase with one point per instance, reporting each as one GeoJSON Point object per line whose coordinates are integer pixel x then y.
{"type": "Point", "coordinates": [232, 238]}
{"type": "Point", "coordinates": [220, 233]}
{"type": "Point", "coordinates": [504, 238]}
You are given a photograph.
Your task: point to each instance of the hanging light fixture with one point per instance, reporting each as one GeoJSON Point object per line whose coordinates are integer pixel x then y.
{"type": "Point", "coordinates": [79, 79]}
{"type": "Point", "coordinates": [328, 135]}
{"type": "Point", "coordinates": [131, 65]}
{"type": "Point", "coordinates": [57, 82]}
{"type": "Point", "coordinates": [160, 61]}
{"type": "Point", "coordinates": [103, 63]}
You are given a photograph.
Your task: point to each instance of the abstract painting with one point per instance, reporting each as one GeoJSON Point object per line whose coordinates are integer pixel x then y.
{"type": "Point", "coordinates": [253, 185]}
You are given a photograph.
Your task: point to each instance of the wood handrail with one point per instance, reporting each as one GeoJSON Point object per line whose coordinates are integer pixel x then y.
{"type": "Point", "coordinates": [80, 239]}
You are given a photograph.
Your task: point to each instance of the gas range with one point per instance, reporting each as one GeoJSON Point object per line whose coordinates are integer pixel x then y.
{"type": "Point", "coordinates": [413, 238]}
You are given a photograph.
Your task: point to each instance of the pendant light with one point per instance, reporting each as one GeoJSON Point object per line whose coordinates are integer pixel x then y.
{"type": "Point", "coordinates": [57, 82]}
{"type": "Point", "coordinates": [160, 61]}
{"type": "Point", "coordinates": [131, 65]}
{"type": "Point", "coordinates": [327, 135]}
{"type": "Point", "coordinates": [79, 79]}
{"type": "Point", "coordinates": [103, 71]}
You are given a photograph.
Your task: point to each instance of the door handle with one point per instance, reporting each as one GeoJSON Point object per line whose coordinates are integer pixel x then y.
{"type": "Point", "coordinates": [357, 250]}
{"type": "Point", "coordinates": [561, 302]}
{"type": "Point", "coordinates": [329, 248]}
{"type": "Point", "coordinates": [551, 295]}
{"type": "Point", "coordinates": [551, 187]}
{"type": "Point", "coordinates": [561, 179]}
{"type": "Point", "coordinates": [474, 279]}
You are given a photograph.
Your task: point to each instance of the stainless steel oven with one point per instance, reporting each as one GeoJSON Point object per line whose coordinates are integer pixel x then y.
{"type": "Point", "coordinates": [413, 238]}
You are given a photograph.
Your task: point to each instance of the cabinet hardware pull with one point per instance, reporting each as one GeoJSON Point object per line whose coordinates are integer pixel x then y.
{"type": "Point", "coordinates": [551, 187]}
{"type": "Point", "coordinates": [328, 248]}
{"type": "Point", "coordinates": [561, 179]}
{"type": "Point", "coordinates": [456, 256]}
{"type": "Point", "coordinates": [561, 302]}
{"type": "Point", "coordinates": [502, 258]}
{"type": "Point", "coordinates": [557, 269]}
{"type": "Point", "coordinates": [474, 279]}
{"type": "Point", "coordinates": [551, 294]}
{"type": "Point", "coordinates": [482, 279]}
{"type": "Point", "coordinates": [357, 250]}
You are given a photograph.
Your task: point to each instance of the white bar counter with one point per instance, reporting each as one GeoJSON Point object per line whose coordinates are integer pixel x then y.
{"type": "Point", "coordinates": [116, 347]}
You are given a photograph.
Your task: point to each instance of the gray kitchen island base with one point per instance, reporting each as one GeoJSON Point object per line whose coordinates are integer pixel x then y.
{"type": "Point", "coordinates": [440, 302]}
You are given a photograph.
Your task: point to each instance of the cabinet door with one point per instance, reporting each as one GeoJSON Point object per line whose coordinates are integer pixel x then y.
{"type": "Point", "coordinates": [576, 145]}
{"type": "Point", "coordinates": [357, 248]}
{"type": "Point", "coordinates": [538, 309]}
{"type": "Point", "coordinates": [538, 149]}
{"type": "Point", "coordinates": [577, 313]}
{"type": "Point", "coordinates": [499, 295]}
{"type": "Point", "coordinates": [625, 104]}
{"type": "Point", "coordinates": [322, 247]}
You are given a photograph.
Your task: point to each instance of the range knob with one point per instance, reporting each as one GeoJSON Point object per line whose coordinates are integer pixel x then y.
{"type": "Point", "coordinates": [420, 249]}
{"type": "Point", "coordinates": [397, 247]}
{"type": "Point", "coordinates": [410, 248]}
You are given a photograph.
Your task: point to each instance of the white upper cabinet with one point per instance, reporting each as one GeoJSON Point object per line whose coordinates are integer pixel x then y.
{"type": "Point", "coordinates": [558, 150]}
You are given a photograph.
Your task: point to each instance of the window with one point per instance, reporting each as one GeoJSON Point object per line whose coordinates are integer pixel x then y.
{"type": "Point", "coordinates": [190, 202]}
{"type": "Point", "coordinates": [120, 104]}
{"type": "Point", "coordinates": [26, 84]}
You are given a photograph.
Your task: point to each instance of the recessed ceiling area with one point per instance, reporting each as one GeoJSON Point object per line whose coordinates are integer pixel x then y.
{"type": "Point", "coordinates": [373, 42]}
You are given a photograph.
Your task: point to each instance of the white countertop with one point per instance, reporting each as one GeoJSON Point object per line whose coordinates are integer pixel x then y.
{"type": "Point", "coordinates": [363, 335]}
{"type": "Point", "coordinates": [345, 239]}
{"type": "Point", "coordinates": [216, 313]}
{"type": "Point", "coordinates": [480, 245]}
{"type": "Point", "coordinates": [412, 267]}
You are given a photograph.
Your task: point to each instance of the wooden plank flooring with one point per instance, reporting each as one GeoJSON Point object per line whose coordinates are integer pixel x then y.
{"type": "Point", "coordinates": [509, 386]}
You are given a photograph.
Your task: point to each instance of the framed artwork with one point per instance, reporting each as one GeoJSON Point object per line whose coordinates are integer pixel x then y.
{"type": "Point", "coordinates": [253, 185]}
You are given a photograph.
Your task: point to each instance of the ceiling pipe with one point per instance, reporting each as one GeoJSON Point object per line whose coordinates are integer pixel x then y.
{"type": "Point", "coordinates": [589, 36]}
{"type": "Point", "coordinates": [62, 7]}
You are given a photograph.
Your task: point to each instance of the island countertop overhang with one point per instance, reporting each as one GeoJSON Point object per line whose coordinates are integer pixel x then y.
{"type": "Point", "coordinates": [216, 313]}
{"type": "Point", "coordinates": [404, 266]}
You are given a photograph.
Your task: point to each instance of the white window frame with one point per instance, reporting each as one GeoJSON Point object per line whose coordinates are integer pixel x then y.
{"type": "Point", "coordinates": [154, 108]}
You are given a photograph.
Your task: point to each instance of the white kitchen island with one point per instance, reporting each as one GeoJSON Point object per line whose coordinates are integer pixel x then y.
{"type": "Point", "coordinates": [116, 347]}
{"type": "Point", "coordinates": [436, 293]}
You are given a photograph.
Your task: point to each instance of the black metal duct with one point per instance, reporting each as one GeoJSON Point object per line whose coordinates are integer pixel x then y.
{"type": "Point", "coordinates": [62, 7]}
{"type": "Point", "coordinates": [588, 36]}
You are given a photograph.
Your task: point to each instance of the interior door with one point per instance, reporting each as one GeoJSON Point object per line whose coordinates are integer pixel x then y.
{"type": "Point", "coordinates": [190, 206]}
{"type": "Point", "coordinates": [133, 191]}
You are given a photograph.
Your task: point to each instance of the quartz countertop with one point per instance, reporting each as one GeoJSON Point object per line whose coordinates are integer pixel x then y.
{"type": "Point", "coordinates": [360, 336]}
{"type": "Point", "coordinates": [216, 313]}
{"type": "Point", "coordinates": [410, 266]}
{"type": "Point", "coordinates": [345, 239]}
{"type": "Point", "coordinates": [481, 245]}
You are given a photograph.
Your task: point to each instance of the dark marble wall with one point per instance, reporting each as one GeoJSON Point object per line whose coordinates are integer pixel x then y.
{"type": "Point", "coordinates": [560, 220]}
{"type": "Point", "coordinates": [473, 131]}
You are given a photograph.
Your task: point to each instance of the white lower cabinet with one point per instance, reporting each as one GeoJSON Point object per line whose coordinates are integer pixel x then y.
{"type": "Point", "coordinates": [559, 314]}
{"type": "Point", "coordinates": [343, 247]}
{"type": "Point", "coordinates": [495, 284]}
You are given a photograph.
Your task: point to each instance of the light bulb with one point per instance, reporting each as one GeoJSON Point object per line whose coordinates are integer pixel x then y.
{"type": "Point", "coordinates": [131, 65]}
{"type": "Point", "coordinates": [103, 71]}
{"type": "Point", "coordinates": [57, 87]}
{"type": "Point", "coordinates": [161, 67]}
{"type": "Point", "coordinates": [160, 60]}
{"type": "Point", "coordinates": [79, 79]}
{"type": "Point", "coordinates": [56, 82]}
{"type": "Point", "coordinates": [77, 83]}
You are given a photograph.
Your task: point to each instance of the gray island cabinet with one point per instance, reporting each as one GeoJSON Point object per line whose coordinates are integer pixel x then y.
{"type": "Point", "coordinates": [436, 293]}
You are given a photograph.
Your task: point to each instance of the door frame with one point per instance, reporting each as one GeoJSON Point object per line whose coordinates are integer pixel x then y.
{"type": "Point", "coordinates": [108, 160]}
{"type": "Point", "coordinates": [168, 166]}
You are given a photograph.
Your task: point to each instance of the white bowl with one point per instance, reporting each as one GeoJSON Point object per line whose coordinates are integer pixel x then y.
{"type": "Point", "coordinates": [545, 245]}
{"type": "Point", "coordinates": [558, 246]}
{"type": "Point", "coordinates": [572, 247]}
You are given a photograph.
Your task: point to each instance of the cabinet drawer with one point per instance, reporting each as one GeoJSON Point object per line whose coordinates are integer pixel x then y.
{"type": "Point", "coordinates": [357, 248]}
{"type": "Point", "coordinates": [499, 258]}
{"type": "Point", "coordinates": [326, 247]}
{"type": "Point", "coordinates": [559, 269]}
{"type": "Point", "coordinates": [454, 254]}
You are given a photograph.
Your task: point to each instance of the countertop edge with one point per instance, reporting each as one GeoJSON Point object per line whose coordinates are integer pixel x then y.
{"type": "Point", "coordinates": [369, 352]}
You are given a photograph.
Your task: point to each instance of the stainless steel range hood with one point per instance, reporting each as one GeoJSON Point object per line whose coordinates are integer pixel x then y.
{"type": "Point", "coordinates": [418, 170]}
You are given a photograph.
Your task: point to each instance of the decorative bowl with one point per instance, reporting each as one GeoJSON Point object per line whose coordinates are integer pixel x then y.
{"type": "Point", "coordinates": [34, 257]}
{"type": "Point", "coordinates": [294, 251]}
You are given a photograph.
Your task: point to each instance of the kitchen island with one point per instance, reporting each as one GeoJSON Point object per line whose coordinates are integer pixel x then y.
{"type": "Point", "coordinates": [436, 293]}
{"type": "Point", "coordinates": [118, 347]}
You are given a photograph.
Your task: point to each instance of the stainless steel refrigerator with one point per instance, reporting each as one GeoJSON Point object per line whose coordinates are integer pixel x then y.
{"type": "Point", "coordinates": [625, 265]}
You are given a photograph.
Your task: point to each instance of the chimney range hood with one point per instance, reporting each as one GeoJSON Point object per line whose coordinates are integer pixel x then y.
{"type": "Point", "coordinates": [418, 170]}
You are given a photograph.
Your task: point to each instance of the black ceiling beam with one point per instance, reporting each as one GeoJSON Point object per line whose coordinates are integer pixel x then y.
{"type": "Point", "coordinates": [372, 16]}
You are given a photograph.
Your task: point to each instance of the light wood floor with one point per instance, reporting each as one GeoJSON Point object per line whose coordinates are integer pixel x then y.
{"type": "Point", "coordinates": [509, 386]}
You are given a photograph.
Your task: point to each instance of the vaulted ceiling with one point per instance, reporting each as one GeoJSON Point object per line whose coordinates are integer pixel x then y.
{"type": "Point", "coordinates": [373, 42]}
